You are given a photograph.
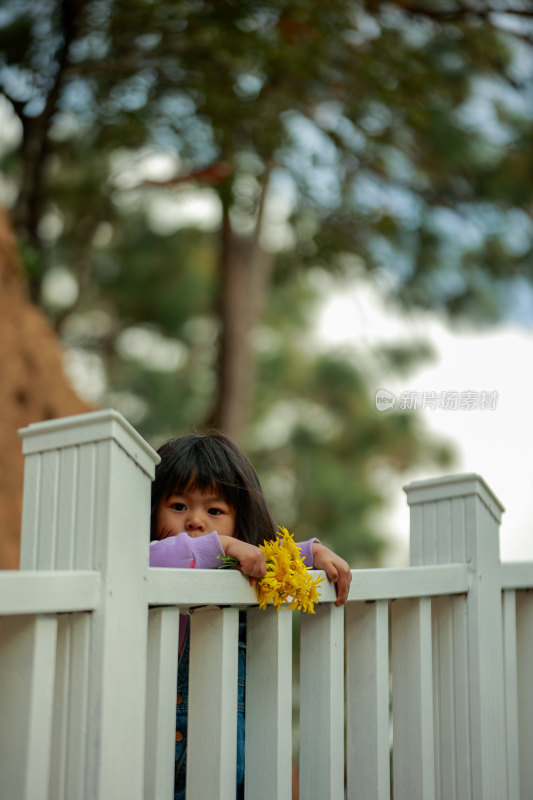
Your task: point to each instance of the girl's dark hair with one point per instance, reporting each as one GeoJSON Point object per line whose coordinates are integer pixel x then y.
{"type": "Point", "coordinates": [206, 461]}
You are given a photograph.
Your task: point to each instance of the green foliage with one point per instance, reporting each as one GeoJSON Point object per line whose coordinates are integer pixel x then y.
{"type": "Point", "coordinates": [332, 445]}
{"type": "Point", "coordinates": [148, 277]}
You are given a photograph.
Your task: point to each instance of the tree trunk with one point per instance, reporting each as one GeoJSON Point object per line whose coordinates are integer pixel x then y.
{"type": "Point", "coordinates": [244, 277]}
{"type": "Point", "coordinates": [33, 386]}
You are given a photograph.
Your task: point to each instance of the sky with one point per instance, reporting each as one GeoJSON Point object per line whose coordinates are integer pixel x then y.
{"type": "Point", "coordinates": [495, 443]}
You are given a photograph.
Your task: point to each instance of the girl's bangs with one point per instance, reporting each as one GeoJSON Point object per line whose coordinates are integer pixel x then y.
{"type": "Point", "coordinates": [205, 481]}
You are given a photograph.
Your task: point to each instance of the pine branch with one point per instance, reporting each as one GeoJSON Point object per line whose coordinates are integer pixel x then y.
{"type": "Point", "coordinates": [463, 10]}
{"type": "Point", "coordinates": [211, 175]}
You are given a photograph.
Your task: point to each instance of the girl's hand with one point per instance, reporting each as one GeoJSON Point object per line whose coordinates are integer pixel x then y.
{"type": "Point", "coordinates": [251, 559]}
{"type": "Point", "coordinates": [336, 568]}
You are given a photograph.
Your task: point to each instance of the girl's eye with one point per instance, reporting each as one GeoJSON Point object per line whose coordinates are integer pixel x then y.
{"type": "Point", "coordinates": [215, 511]}
{"type": "Point", "coordinates": [178, 506]}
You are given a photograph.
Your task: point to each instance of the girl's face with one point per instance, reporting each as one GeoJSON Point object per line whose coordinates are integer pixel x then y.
{"type": "Point", "coordinates": [195, 512]}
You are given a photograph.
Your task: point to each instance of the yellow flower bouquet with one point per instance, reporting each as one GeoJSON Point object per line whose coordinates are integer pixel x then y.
{"type": "Point", "coordinates": [287, 583]}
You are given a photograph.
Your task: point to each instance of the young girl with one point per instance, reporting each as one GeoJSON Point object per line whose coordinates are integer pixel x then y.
{"type": "Point", "coordinates": [207, 502]}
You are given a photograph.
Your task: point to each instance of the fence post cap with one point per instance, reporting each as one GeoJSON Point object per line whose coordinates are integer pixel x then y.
{"type": "Point", "coordinates": [81, 429]}
{"type": "Point", "coordinates": [450, 486]}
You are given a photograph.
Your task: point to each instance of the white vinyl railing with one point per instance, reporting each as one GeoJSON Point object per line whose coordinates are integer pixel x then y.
{"type": "Point", "coordinates": [428, 668]}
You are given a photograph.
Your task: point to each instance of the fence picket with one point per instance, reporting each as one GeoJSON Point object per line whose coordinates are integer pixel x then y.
{"type": "Point", "coordinates": [212, 720]}
{"type": "Point", "coordinates": [450, 699]}
{"type": "Point", "coordinates": [27, 666]}
{"type": "Point", "coordinates": [71, 708]}
{"type": "Point", "coordinates": [511, 695]}
{"type": "Point", "coordinates": [268, 705]}
{"type": "Point", "coordinates": [322, 704]}
{"type": "Point", "coordinates": [367, 701]}
{"type": "Point", "coordinates": [412, 714]}
{"type": "Point", "coordinates": [163, 629]}
{"type": "Point", "coordinates": [524, 624]}
{"type": "Point", "coordinates": [60, 729]}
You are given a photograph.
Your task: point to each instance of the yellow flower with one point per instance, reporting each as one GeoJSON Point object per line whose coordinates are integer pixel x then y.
{"type": "Point", "coordinates": [287, 581]}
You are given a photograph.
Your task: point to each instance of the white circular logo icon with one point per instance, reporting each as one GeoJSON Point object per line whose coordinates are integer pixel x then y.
{"type": "Point", "coordinates": [385, 400]}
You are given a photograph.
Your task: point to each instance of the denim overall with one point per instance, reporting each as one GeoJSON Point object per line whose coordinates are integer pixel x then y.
{"type": "Point", "coordinates": [182, 698]}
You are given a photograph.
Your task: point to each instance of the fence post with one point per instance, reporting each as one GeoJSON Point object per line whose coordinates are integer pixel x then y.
{"type": "Point", "coordinates": [456, 519]}
{"type": "Point", "coordinates": [86, 506]}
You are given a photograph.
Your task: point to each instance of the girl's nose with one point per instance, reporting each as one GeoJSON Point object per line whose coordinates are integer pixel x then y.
{"type": "Point", "coordinates": [194, 522]}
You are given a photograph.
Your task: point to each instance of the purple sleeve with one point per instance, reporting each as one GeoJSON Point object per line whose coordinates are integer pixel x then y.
{"type": "Point", "coordinates": [306, 549]}
{"type": "Point", "coordinates": [181, 550]}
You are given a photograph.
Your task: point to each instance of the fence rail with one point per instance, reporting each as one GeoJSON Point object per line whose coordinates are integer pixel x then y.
{"type": "Point", "coordinates": [48, 592]}
{"type": "Point", "coordinates": [428, 668]}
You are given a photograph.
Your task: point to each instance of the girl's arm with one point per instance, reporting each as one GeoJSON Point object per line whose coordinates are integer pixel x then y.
{"type": "Point", "coordinates": [181, 550]}
{"type": "Point", "coordinates": [205, 552]}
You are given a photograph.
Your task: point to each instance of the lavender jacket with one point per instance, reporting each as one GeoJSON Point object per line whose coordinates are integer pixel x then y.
{"type": "Point", "coordinates": [181, 550]}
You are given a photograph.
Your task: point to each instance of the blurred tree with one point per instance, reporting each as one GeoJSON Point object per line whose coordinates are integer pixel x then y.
{"type": "Point", "coordinates": [33, 385]}
{"type": "Point", "coordinates": [394, 136]}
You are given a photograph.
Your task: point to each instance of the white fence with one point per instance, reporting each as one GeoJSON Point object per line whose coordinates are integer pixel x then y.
{"type": "Point", "coordinates": [88, 651]}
